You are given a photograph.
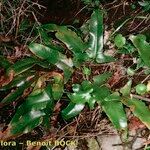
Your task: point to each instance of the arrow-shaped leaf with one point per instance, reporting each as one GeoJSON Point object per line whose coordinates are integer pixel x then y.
{"type": "Point", "coordinates": [30, 114]}
{"type": "Point", "coordinates": [143, 47]}
{"type": "Point", "coordinates": [54, 57]}
{"type": "Point", "coordinates": [19, 91]}
{"type": "Point", "coordinates": [72, 110]}
{"type": "Point", "coordinates": [115, 111]}
{"type": "Point", "coordinates": [95, 49]}
{"type": "Point", "coordinates": [139, 109]}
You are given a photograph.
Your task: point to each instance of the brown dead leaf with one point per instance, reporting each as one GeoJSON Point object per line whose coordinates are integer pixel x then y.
{"type": "Point", "coordinates": [4, 80]}
{"type": "Point", "coordinates": [135, 124]}
{"type": "Point", "coordinates": [116, 76]}
{"type": "Point", "coordinates": [4, 135]}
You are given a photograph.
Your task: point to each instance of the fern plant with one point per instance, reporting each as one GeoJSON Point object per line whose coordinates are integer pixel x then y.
{"type": "Point", "coordinates": [48, 69]}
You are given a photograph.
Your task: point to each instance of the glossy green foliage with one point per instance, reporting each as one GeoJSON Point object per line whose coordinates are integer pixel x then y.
{"type": "Point", "coordinates": [145, 5]}
{"type": "Point", "coordinates": [18, 81]}
{"type": "Point", "coordinates": [72, 110]}
{"type": "Point", "coordinates": [38, 106]}
{"type": "Point", "coordinates": [119, 40]}
{"type": "Point", "coordinates": [89, 93]}
{"type": "Point", "coordinates": [20, 85]}
{"type": "Point", "coordinates": [48, 40]}
{"type": "Point", "coordinates": [22, 66]}
{"type": "Point", "coordinates": [73, 42]}
{"type": "Point", "coordinates": [54, 57]}
{"type": "Point", "coordinates": [68, 37]}
{"type": "Point", "coordinates": [111, 104]}
{"type": "Point", "coordinates": [114, 110]}
{"type": "Point", "coordinates": [23, 78]}
{"type": "Point", "coordinates": [143, 47]}
{"type": "Point", "coordinates": [95, 49]}
{"type": "Point", "coordinates": [83, 51]}
{"type": "Point", "coordinates": [30, 114]}
{"type": "Point", "coordinates": [139, 109]}
{"type": "Point", "coordinates": [100, 93]}
{"type": "Point", "coordinates": [83, 94]}
{"type": "Point", "coordinates": [44, 52]}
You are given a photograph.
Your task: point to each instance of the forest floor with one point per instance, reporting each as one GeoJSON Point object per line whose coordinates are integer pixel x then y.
{"type": "Point", "coordinates": [91, 128]}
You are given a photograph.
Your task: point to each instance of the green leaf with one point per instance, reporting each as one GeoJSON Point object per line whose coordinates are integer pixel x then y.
{"type": "Point", "coordinates": [96, 36]}
{"type": "Point", "coordinates": [119, 40]}
{"type": "Point", "coordinates": [51, 27]}
{"type": "Point", "coordinates": [44, 52]}
{"type": "Point", "coordinates": [100, 93]}
{"type": "Point", "coordinates": [143, 48]}
{"type": "Point", "coordinates": [54, 57]}
{"type": "Point", "coordinates": [47, 40]}
{"type": "Point", "coordinates": [145, 5]}
{"type": "Point", "coordinates": [80, 97]}
{"type": "Point", "coordinates": [139, 109]}
{"type": "Point", "coordinates": [30, 114]}
{"type": "Point", "coordinates": [141, 89]}
{"type": "Point", "coordinates": [72, 110]}
{"type": "Point", "coordinates": [126, 89]}
{"type": "Point", "coordinates": [102, 78]}
{"type": "Point", "coordinates": [111, 105]}
{"type": "Point", "coordinates": [76, 87]}
{"type": "Point", "coordinates": [19, 91]}
{"type": "Point", "coordinates": [130, 71]}
{"type": "Point", "coordinates": [67, 36]}
{"type": "Point", "coordinates": [27, 122]}
{"type": "Point", "coordinates": [44, 36]}
{"type": "Point", "coordinates": [58, 87]}
{"type": "Point", "coordinates": [95, 49]}
{"type": "Point", "coordinates": [71, 40]}
{"type": "Point", "coordinates": [86, 71]}
{"type": "Point", "coordinates": [22, 66]}
{"type": "Point", "coordinates": [18, 81]}
{"type": "Point", "coordinates": [66, 65]}
{"type": "Point", "coordinates": [83, 93]}
{"type": "Point", "coordinates": [87, 86]}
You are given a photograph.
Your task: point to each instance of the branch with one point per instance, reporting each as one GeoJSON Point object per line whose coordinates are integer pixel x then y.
{"type": "Point", "coordinates": [140, 97]}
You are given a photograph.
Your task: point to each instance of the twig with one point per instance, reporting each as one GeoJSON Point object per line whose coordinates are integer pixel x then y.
{"type": "Point", "coordinates": [18, 18]}
{"type": "Point", "coordinates": [139, 97]}
{"type": "Point", "coordinates": [145, 79]}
